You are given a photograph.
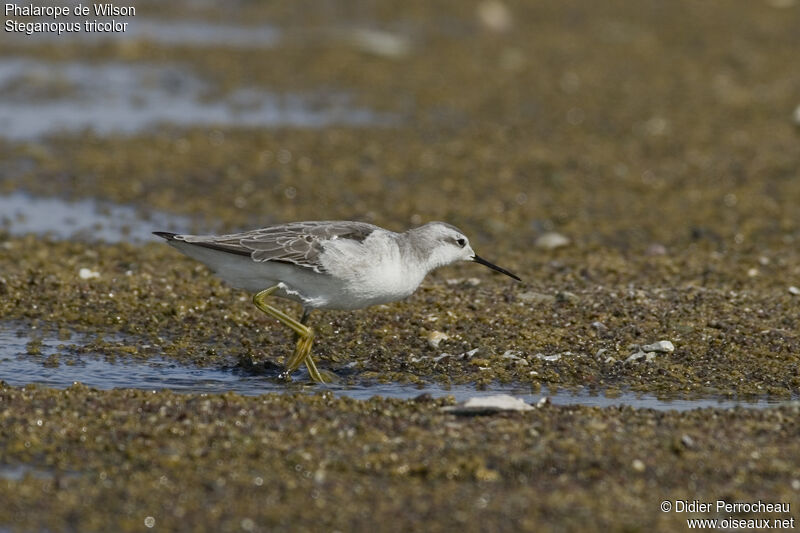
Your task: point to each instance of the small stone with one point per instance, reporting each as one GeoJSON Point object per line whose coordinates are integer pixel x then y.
{"type": "Point", "coordinates": [436, 337]}
{"type": "Point", "coordinates": [660, 346]}
{"type": "Point", "coordinates": [796, 116]}
{"type": "Point", "coordinates": [552, 240]}
{"type": "Point", "coordinates": [514, 355]}
{"type": "Point", "coordinates": [638, 465]}
{"type": "Point", "coordinates": [648, 352]}
{"type": "Point", "coordinates": [794, 290]}
{"type": "Point", "coordinates": [656, 249]}
{"type": "Point", "coordinates": [796, 484]}
{"type": "Point", "coordinates": [610, 360]}
{"type": "Point", "coordinates": [488, 405]}
{"type": "Point", "coordinates": [86, 273]}
{"type": "Point", "coordinates": [687, 441]}
{"type": "Point", "coordinates": [469, 354]}
{"type": "Point", "coordinates": [471, 282]}
{"type": "Point", "coordinates": [535, 297]}
{"type": "Point", "coordinates": [543, 357]}
{"type": "Point", "coordinates": [566, 296]}
{"type": "Point", "coordinates": [752, 272]}
{"type": "Point", "coordinates": [379, 43]}
{"type": "Point", "coordinates": [636, 356]}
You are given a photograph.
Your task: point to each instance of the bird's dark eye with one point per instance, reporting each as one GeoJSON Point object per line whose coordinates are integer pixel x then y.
{"type": "Point", "coordinates": [462, 242]}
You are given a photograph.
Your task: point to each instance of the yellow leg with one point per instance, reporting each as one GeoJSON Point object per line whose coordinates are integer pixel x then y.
{"type": "Point", "coordinates": [305, 336]}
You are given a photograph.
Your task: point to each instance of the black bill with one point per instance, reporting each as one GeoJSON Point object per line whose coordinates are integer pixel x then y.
{"type": "Point", "coordinates": [495, 267]}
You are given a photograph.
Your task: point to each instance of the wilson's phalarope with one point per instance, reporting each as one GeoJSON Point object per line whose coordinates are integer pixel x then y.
{"type": "Point", "coordinates": [327, 265]}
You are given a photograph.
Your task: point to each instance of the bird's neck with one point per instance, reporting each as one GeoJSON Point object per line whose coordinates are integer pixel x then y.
{"type": "Point", "coordinates": [422, 254]}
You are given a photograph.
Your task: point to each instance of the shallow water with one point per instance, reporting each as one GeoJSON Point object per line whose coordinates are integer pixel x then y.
{"type": "Point", "coordinates": [42, 98]}
{"type": "Point", "coordinates": [18, 368]}
{"type": "Point", "coordinates": [22, 213]}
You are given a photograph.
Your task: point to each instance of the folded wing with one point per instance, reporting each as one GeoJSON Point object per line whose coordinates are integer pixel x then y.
{"type": "Point", "coordinates": [299, 243]}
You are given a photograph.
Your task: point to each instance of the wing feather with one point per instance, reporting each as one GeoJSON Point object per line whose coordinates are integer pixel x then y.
{"type": "Point", "coordinates": [299, 243]}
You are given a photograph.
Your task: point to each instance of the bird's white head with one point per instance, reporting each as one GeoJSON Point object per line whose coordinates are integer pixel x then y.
{"type": "Point", "coordinates": [443, 244]}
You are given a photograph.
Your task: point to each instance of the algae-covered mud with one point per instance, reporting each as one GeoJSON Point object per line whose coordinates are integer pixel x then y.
{"type": "Point", "coordinates": [635, 163]}
{"type": "Point", "coordinates": [293, 462]}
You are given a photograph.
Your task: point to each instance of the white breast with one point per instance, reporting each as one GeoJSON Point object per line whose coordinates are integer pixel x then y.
{"type": "Point", "coordinates": [370, 272]}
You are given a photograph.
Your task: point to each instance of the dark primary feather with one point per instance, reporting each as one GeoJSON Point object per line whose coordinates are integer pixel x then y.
{"type": "Point", "coordinates": [299, 243]}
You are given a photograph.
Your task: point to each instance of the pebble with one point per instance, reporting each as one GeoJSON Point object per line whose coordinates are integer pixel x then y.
{"type": "Point", "coordinates": [535, 297]}
{"type": "Point", "coordinates": [465, 355]}
{"type": "Point", "coordinates": [472, 282]}
{"type": "Point", "coordinates": [86, 273]}
{"type": "Point", "coordinates": [648, 351]}
{"type": "Point", "coordinates": [435, 338]}
{"type": "Point", "coordinates": [794, 290]}
{"type": "Point", "coordinates": [656, 249]}
{"type": "Point", "coordinates": [639, 354]}
{"type": "Point", "coordinates": [514, 355]}
{"type": "Point", "coordinates": [543, 357]}
{"type": "Point", "coordinates": [552, 240]}
{"type": "Point", "coordinates": [380, 43]}
{"type": "Point", "coordinates": [566, 296]}
{"type": "Point", "coordinates": [488, 405]}
{"type": "Point", "coordinates": [469, 354]}
{"type": "Point", "coordinates": [660, 346]}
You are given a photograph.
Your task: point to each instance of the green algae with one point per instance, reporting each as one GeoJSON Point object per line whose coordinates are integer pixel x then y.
{"type": "Point", "coordinates": [181, 311]}
{"type": "Point", "coordinates": [278, 462]}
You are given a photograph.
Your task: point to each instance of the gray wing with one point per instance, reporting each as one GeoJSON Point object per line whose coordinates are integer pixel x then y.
{"type": "Point", "coordinates": [299, 243]}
